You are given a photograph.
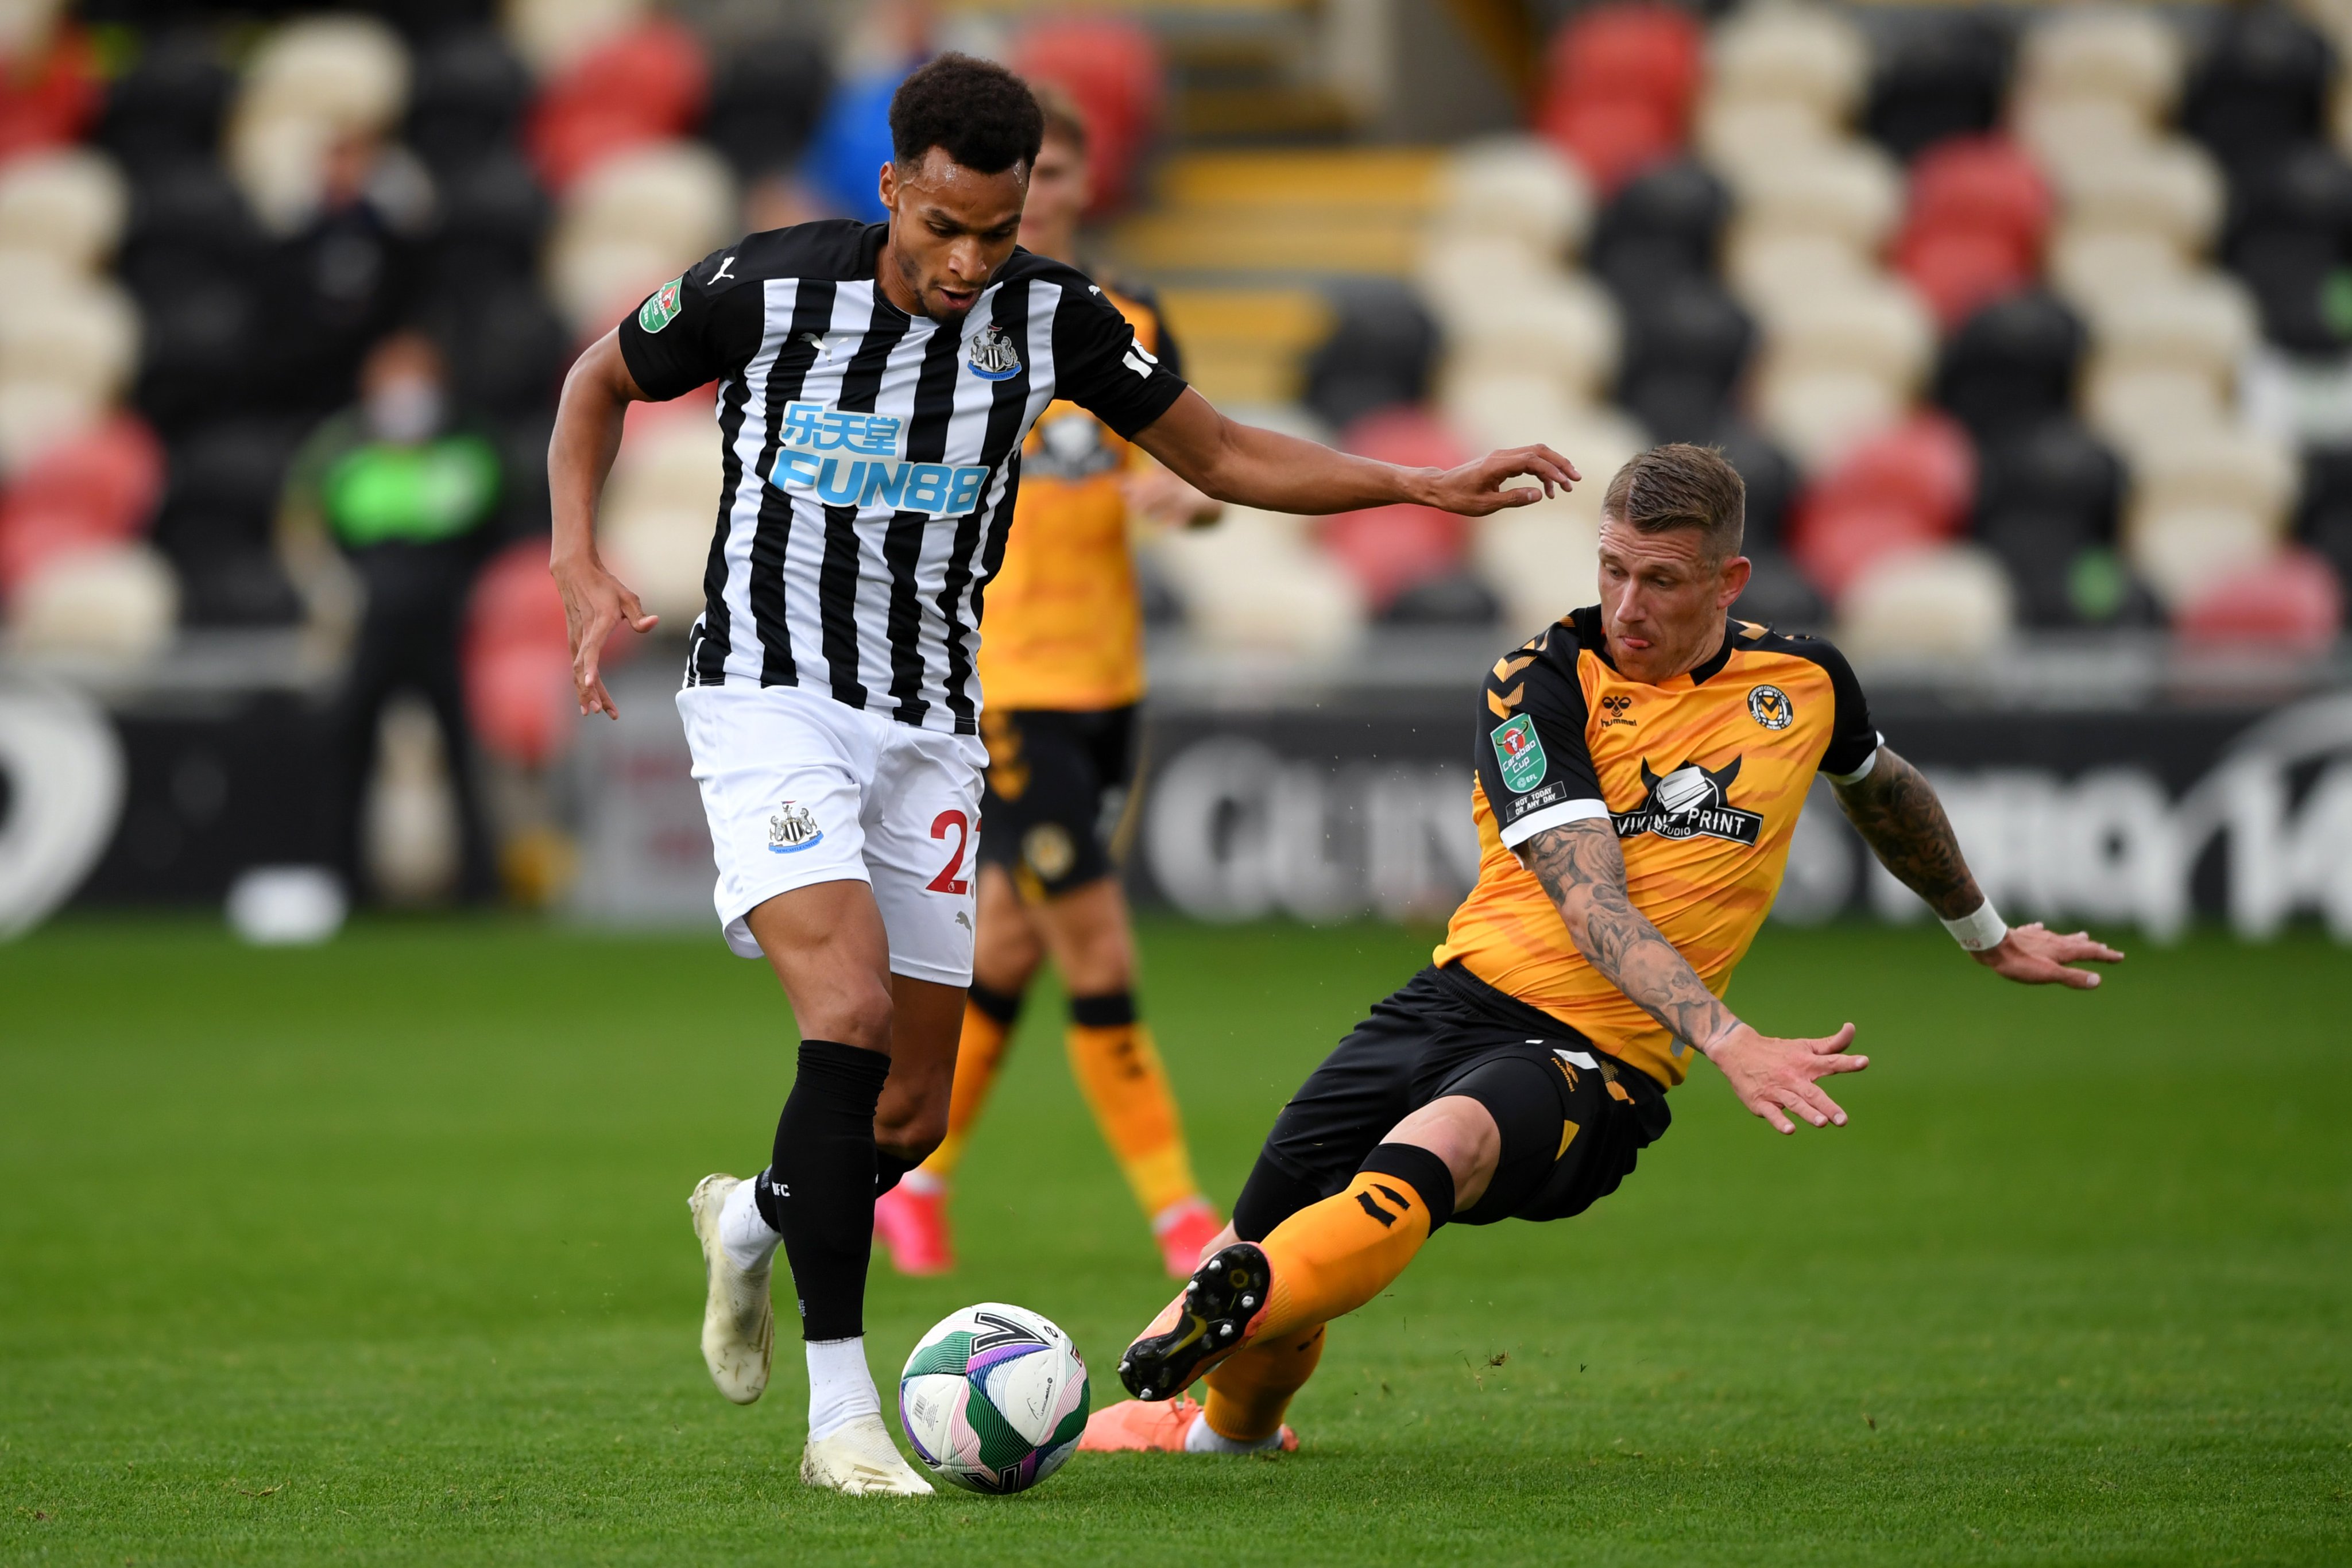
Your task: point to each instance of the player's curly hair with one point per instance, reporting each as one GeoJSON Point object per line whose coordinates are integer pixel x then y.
{"type": "Point", "coordinates": [976, 112]}
{"type": "Point", "coordinates": [1679, 486]}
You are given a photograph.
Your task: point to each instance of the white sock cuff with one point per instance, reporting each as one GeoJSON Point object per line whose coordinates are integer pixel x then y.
{"type": "Point", "coordinates": [841, 1386]}
{"type": "Point", "coordinates": [750, 1243]}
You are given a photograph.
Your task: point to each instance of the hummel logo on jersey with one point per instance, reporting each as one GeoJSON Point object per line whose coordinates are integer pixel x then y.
{"type": "Point", "coordinates": [992, 355]}
{"type": "Point", "coordinates": [1690, 802]}
{"type": "Point", "coordinates": [811, 431]}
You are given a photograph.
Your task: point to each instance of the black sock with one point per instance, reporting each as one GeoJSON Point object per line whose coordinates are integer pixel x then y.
{"type": "Point", "coordinates": [818, 1192]}
{"type": "Point", "coordinates": [887, 1168]}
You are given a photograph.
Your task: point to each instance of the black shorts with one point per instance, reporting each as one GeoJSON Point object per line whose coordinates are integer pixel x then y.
{"type": "Point", "coordinates": [1572, 1118]}
{"type": "Point", "coordinates": [1055, 808]}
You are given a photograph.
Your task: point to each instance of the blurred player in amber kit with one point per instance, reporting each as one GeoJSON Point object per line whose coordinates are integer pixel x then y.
{"type": "Point", "coordinates": [1063, 667]}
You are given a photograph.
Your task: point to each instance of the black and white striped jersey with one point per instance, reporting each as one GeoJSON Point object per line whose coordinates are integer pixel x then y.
{"type": "Point", "coordinates": [871, 457]}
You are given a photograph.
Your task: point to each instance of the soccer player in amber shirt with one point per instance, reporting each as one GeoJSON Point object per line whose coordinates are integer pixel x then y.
{"type": "Point", "coordinates": [1063, 667]}
{"type": "Point", "coordinates": [1641, 765]}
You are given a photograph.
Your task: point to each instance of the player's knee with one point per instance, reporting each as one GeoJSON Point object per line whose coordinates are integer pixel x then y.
{"type": "Point", "coordinates": [859, 1015]}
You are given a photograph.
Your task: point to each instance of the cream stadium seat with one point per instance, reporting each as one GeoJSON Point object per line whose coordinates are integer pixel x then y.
{"type": "Point", "coordinates": [1736, 133]}
{"type": "Point", "coordinates": [85, 335]}
{"type": "Point", "coordinates": [2087, 264]}
{"type": "Point", "coordinates": [1945, 602]}
{"type": "Point", "coordinates": [2067, 130]}
{"type": "Point", "coordinates": [2184, 549]}
{"type": "Point", "coordinates": [655, 525]}
{"type": "Point", "coordinates": [1766, 266]}
{"type": "Point", "coordinates": [2169, 187]}
{"type": "Point", "coordinates": [551, 34]}
{"type": "Point", "coordinates": [1520, 187]}
{"type": "Point", "coordinates": [2135, 406]}
{"type": "Point", "coordinates": [1847, 189]}
{"type": "Point", "coordinates": [116, 601]}
{"type": "Point", "coordinates": [2124, 52]}
{"type": "Point", "coordinates": [1819, 412]}
{"type": "Point", "coordinates": [1488, 408]}
{"type": "Point", "coordinates": [1539, 559]}
{"type": "Point", "coordinates": [1810, 53]}
{"type": "Point", "coordinates": [278, 161]}
{"type": "Point", "coordinates": [1873, 323]}
{"type": "Point", "coordinates": [69, 202]}
{"type": "Point", "coordinates": [37, 414]}
{"type": "Point", "coordinates": [348, 70]}
{"type": "Point", "coordinates": [1257, 582]}
{"type": "Point", "coordinates": [2200, 321]}
{"type": "Point", "coordinates": [635, 221]}
{"type": "Point", "coordinates": [2219, 466]}
{"type": "Point", "coordinates": [1564, 327]}
{"type": "Point", "coordinates": [1466, 269]}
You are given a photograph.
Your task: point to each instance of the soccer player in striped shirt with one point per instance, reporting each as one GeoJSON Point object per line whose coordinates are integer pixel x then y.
{"type": "Point", "coordinates": [875, 384]}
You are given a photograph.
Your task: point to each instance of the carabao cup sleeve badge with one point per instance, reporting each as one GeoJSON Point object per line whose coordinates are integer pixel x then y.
{"type": "Point", "coordinates": [1521, 755]}
{"type": "Point", "coordinates": [661, 306]}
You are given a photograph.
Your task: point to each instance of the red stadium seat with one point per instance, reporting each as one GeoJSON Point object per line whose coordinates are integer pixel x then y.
{"type": "Point", "coordinates": [1646, 51]}
{"type": "Point", "coordinates": [517, 661]}
{"type": "Point", "coordinates": [2292, 602]}
{"type": "Point", "coordinates": [648, 84]}
{"type": "Point", "coordinates": [1411, 437]}
{"type": "Point", "coordinates": [1834, 541]}
{"type": "Point", "coordinates": [1957, 269]}
{"type": "Point", "coordinates": [1388, 550]}
{"type": "Point", "coordinates": [1926, 466]}
{"type": "Point", "coordinates": [51, 101]}
{"type": "Point", "coordinates": [1983, 182]}
{"type": "Point", "coordinates": [98, 488]}
{"type": "Point", "coordinates": [1612, 138]}
{"type": "Point", "coordinates": [1111, 66]}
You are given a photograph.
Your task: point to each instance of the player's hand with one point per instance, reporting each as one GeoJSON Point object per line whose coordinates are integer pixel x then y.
{"type": "Point", "coordinates": [1774, 1078]}
{"type": "Point", "coordinates": [594, 601]}
{"type": "Point", "coordinates": [1477, 488]}
{"type": "Point", "coordinates": [2035, 956]}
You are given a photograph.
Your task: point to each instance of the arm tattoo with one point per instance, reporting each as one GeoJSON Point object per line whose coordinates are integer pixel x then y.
{"type": "Point", "coordinates": [1895, 810]}
{"type": "Point", "coordinates": [1582, 870]}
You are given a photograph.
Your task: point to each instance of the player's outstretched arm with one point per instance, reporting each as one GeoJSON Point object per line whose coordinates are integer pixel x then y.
{"type": "Point", "coordinates": [596, 396]}
{"type": "Point", "coordinates": [1253, 467]}
{"type": "Point", "coordinates": [1895, 809]}
{"type": "Point", "coordinates": [1582, 868]}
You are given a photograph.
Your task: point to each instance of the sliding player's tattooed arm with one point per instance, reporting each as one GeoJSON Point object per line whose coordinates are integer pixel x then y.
{"type": "Point", "coordinates": [1895, 808]}
{"type": "Point", "coordinates": [1582, 870]}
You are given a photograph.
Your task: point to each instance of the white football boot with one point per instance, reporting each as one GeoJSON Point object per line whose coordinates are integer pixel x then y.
{"type": "Point", "coordinates": [860, 1460]}
{"type": "Point", "coordinates": [738, 1318]}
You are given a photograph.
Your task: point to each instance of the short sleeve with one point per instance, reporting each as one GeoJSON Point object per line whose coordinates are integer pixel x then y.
{"type": "Point", "coordinates": [1854, 737]}
{"type": "Point", "coordinates": [698, 327]}
{"type": "Point", "coordinates": [1531, 754]}
{"type": "Point", "coordinates": [1100, 366]}
{"type": "Point", "coordinates": [1164, 347]}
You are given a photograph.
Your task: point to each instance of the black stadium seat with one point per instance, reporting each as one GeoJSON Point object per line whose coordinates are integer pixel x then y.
{"type": "Point", "coordinates": [2056, 469]}
{"type": "Point", "coordinates": [168, 104]}
{"type": "Point", "coordinates": [199, 357]}
{"type": "Point", "coordinates": [466, 101]}
{"type": "Point", "coordinates": [1686, 345]}
{"type": "Point", "coordinates": [2011, 365]}
{"type": "Point", "coordinates": [2259, 85]}
{"type": "Point", "coordinates": [1939, 71]}
{"type": "Point", "coordinates": [1769, 474]}
{"type": "Point", "coordinates": [1664, 226]}
{"type": "Point", "coordinates": [188, 223]}
{"type": "Point", "coordinates": [2290, 229]}
{"type": "Point", "coordinates": [1379, 353]}
{"type": "Point", "coordinates": [766, 100]}
{"type": "Point", "coordinates": [218, 520]}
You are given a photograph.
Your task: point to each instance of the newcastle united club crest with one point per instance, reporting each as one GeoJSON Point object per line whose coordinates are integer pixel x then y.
{"type": "Point", "coordinates": [794, 829]}
{"type": "Point", "coordinates": [992, 355]}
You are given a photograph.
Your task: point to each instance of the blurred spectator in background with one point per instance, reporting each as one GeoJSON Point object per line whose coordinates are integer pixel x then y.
{"type": "Point", "coordinates": [406, 495]}
{"type": "Point", "coordinates": [840, 171]}
{"type": "Point", "coordinates": [343, 277]}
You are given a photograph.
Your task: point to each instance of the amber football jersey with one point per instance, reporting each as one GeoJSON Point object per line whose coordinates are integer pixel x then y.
{"type": "Point", "coordinates": [1702, 775]}
{"type": "Point", "coordinates": [1065, 627]}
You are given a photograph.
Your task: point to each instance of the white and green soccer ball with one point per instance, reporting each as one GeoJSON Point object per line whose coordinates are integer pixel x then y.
{"type": "Point", "coordinates": [994, 1398]}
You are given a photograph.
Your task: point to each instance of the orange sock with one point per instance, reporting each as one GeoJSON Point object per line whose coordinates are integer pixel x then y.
{"type": "Point", "coordinates": [987, 1018]}
{"type": "Point", "coordinates": [1118, 1070]}
{"type": "Point", "coordinates": [1332, 1257]}
{"type": "Point", "coordinates": [1251, 1389]}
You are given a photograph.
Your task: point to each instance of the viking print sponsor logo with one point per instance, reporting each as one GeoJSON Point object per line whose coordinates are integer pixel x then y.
{"type": "Point", "coordinates": [661, 307]}
{"type": "Point", "coordinates": [1615, 704]}
{"type": "Point", "coordinates": [1521, 754]}
{"type": "Point", "coordinates": [992, 356]}
{"type": "Point", "coordinates": [842, 457]}
{"type": "Point", "coordinates": [794, 829]}
{"type": "Point", "coordinates": [1690, 802]}
{"type": "Point", "coordinates": [1770, 706]}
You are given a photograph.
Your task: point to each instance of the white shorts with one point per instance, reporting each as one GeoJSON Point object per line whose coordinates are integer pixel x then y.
{"type": "Point", "coordinates": [800, 788]}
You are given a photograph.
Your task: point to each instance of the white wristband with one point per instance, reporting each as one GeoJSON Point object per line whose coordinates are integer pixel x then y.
{"type": "Point", "coordinates": [1980, 932]}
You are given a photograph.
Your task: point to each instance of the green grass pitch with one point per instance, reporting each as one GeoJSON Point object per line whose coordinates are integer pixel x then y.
{"type": "Point", "coordinates": [380, 1254]}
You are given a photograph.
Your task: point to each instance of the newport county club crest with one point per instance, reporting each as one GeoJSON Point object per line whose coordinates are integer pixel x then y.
{"type": "Point", "coordinates": [1690, 802]}
{"type": "Point", "coordinates": [1769, 706]}
{"type": "Point", "coordinates": [992, 356]}
{"type": "Point", "coordinates": [794, 829]}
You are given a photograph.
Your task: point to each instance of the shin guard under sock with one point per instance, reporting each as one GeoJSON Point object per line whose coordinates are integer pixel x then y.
{"type": "Point", "coordinates": [1250, 1389]}
{"type": "Point", "coordinates": [1120, 1072]}
{"type": "Point", "coordinates": [1332, 1257]}
{"type": "Point", "coordinates": [818, 1192]}
{"type": "Point", "coordinates": [988, 1019]}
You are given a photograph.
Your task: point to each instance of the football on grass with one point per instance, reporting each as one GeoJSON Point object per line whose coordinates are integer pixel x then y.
{"type": "Point", "coordinates": [994, 1398]}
